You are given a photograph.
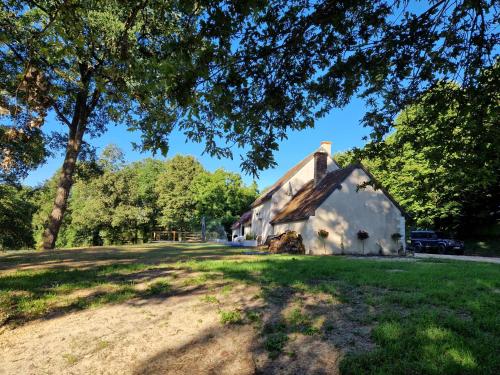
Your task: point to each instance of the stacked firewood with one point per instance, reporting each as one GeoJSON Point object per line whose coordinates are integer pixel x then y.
{"type": "Point", "coordinates": [288, 242]}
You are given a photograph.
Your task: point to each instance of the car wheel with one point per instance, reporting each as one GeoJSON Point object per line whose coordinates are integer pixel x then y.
{"type": "Point", "coordinates": [418, 248]}
{"type": "Point", "coordinates": [442, 249]}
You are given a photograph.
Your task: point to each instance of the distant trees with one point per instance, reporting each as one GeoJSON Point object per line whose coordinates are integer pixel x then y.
{"type": "Point", "coordinates": [113, 202]}
{"type": "Point", "coordinates": [176, 196]}
{"type": "Point", "coordinates": [16, 212]}
{"type": "Point", "coordinates": [187, 192]}
{"type": "Point", "coordinates": [221, 196]}
{"type": "Point", "coordinates": [224, 73]}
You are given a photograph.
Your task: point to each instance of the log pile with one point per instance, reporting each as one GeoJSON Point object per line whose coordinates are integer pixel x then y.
{"type": "Point", "coordinates": [288, 242]}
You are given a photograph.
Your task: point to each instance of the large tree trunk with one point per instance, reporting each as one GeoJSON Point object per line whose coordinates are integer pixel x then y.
{"type": "Point", "coordinates": [63, 188]}
{"type": "Point", "coordinates": [77, 128]}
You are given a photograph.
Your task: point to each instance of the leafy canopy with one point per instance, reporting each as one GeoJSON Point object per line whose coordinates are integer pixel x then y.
{"type": "Point", "coordinates": [442, 163]}
{"type": "Point", "coordinates": [229, 72]}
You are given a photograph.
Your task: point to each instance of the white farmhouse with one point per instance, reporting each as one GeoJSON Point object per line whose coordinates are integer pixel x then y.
{"type": "Point", "coordinates": [317, 196]}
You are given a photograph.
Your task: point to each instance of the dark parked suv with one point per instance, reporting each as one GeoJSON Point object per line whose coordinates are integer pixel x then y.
{"type": "Point", "coordinates": [429, 240]}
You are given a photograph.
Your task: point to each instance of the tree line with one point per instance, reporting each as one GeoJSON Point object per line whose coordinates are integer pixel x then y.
{"type": "Point", "coordinates": [224, 73]}
{"type": "Point", "coordinates": [114, 203]}
{"type": "Point", "coordinates": [442, 161]}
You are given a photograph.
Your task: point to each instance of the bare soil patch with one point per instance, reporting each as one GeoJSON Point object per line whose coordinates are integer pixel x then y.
{"type": "Point", "coordinates": [179, 329]}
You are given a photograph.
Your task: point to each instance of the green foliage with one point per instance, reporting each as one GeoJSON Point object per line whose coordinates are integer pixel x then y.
{"type": "Point", "coordinates": [114, 203]}
{"type": "Point", "coordinates": [230, 317]}
{"type": "Point", "coordinates": [187, 192]}
{"type": "Point", "coordinates": [20, 152]}
{"type": "Point", "coordinates": [16, 211]}
{"type": "Point", "coordinates": [176, 196]}
{"type": "Point", "coordinates": [243, 72]}
{"type": "Point", "coordinates": [442, 162]}
{"type": "Point", "coordinates": [222, 196]}
{"type": "Point", "coordinates": [224, 73]}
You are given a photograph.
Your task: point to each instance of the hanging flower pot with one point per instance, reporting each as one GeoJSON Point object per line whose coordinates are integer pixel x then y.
{"type": "Point", "coordinates": [323, 234]}
{"type": "Point", "coordinates": [362, 236]}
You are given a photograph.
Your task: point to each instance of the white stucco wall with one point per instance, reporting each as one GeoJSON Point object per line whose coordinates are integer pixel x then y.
{"type": "Point", "coordinates": [344, 213]}
{"type": "Point", "coordinates": [261, 215]}
{"type": "Point", "coordinates": [282, 196]}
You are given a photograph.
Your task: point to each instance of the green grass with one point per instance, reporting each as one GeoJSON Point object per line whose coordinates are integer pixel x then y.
{"type": "Point", "coordinates": [429, 317]}
{"type": "Point", "coordinates": [413, 305]}
{"type": "Point", "coordinates": [158, 287]}
{"type": "Point", "coordinates": [230, 317]}
{"type": "Point", "coordinates": [210, 299]}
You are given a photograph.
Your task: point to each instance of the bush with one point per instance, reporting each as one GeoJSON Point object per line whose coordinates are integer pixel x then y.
{"type": "Point", "coordinates": [323, 233]}
{"type": "Point", "coordinates": [250, 236]}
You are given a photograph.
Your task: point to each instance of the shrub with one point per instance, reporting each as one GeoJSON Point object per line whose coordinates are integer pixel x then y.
{"type": "Point", "coordinates": [323, 233]}
{"type": "Point", "coordinates": [250, 236]}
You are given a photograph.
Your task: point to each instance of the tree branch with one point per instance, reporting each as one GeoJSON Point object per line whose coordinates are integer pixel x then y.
{"type": "Point", "coordinates": [59, 113]}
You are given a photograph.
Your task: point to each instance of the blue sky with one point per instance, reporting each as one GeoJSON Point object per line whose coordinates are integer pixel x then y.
{"type": "Point", "coordinates": [341, 127]}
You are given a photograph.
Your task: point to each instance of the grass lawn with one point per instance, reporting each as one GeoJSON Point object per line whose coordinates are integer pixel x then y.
{"type": "Point", "coordinates": [382, 316]}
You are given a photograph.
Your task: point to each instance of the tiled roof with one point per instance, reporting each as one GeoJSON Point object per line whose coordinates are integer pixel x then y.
{"type": "Point", "coordinates": [267, 194]}
{"type": "Point", "coordinates": [309, 197]}
{"type": "Point", "coordinates": [305, 202]}
{"type": "Point", "coordinates": [246, 217]}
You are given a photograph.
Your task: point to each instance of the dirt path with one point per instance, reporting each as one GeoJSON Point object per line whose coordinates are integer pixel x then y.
{"type": "Point", "coordinates": [179, 334]}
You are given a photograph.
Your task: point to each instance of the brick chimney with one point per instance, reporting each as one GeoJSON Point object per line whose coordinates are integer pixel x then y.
{"type": "Point", "coordinates": [320, 164]}
{"type": "Point", "coordinates": [327, 146]}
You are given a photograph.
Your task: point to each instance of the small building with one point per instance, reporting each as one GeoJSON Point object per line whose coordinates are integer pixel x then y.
{"type": "Point", "coordinates": [242, 226]}
{"type": "Point", "coordinates": [332, 208]}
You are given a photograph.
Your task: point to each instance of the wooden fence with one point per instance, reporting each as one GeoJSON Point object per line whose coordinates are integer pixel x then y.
{"type": "Point", "coordinates": [179, 236]}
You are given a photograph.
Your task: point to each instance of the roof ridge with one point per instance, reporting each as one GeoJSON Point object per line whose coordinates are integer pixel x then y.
{"type": "Point", "coordinates": [299, 208]}
{"type": "Point", "coordinates": [267, 194]}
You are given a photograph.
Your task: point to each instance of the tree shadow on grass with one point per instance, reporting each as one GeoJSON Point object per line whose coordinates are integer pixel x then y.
{"type": "Point", "coordinates": [425, 318]}
{"type": "Point", "coordinates": [292, 332]}
{"type": "Point", "coordinates": [50, 293]}
{"type": "Point", "coordinates": [92, 256]}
